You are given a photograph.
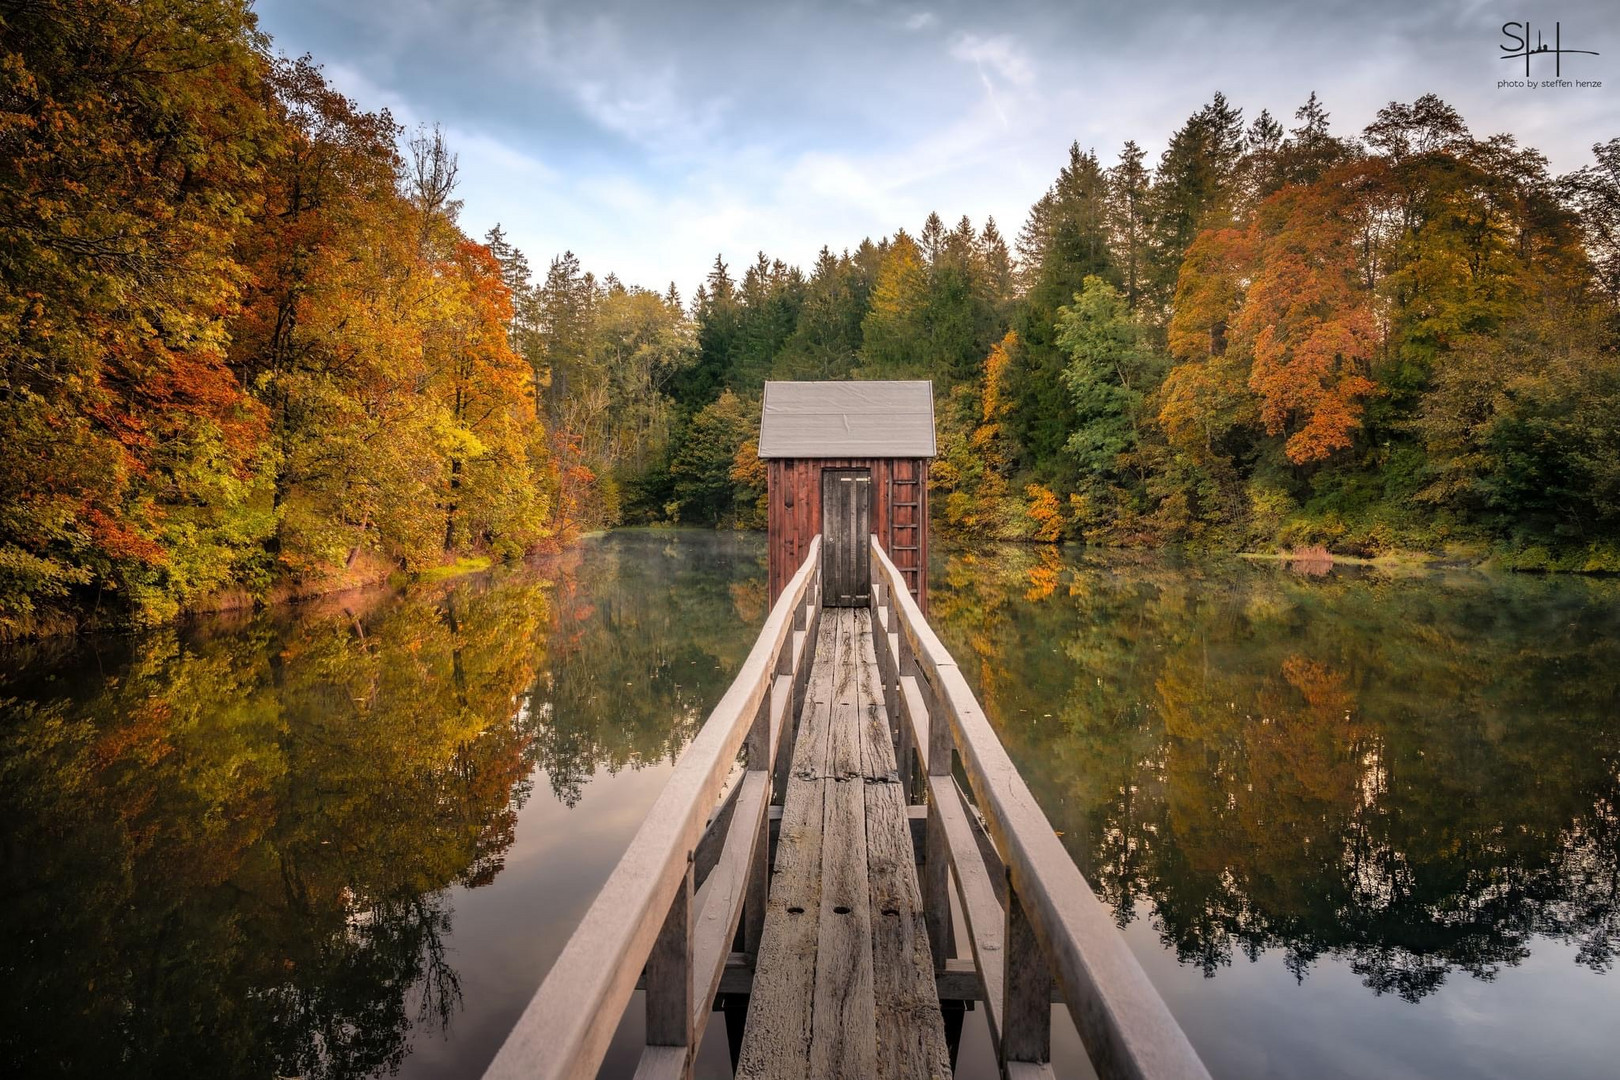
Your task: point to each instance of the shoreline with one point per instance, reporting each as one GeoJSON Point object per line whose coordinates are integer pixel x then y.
{"type": "Point", "coordinates": [235, 600]}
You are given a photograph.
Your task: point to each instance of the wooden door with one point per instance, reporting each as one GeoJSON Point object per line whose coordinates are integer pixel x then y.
{"type": "Point", "coordinates": [846, 526]}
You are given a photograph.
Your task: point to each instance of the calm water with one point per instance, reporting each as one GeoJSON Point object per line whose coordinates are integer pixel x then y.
{"type": "Point", "coordinates": [1352, 824]}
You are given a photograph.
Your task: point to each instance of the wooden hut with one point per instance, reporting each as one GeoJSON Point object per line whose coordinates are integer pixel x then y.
{"type": "Point", "coordinates": [847, 459]}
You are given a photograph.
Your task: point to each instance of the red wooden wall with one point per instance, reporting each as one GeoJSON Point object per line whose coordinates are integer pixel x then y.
{"type": "Point", "coordinates": [899, 514]}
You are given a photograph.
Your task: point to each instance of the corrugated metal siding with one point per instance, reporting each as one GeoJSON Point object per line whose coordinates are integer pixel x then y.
{"type": "Point", "coordinates": [847, 419]}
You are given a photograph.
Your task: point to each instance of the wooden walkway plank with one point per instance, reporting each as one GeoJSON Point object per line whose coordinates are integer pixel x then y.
{"type": "Point", "coordinates": [845, 987]}
{"type": "Point", "coordinates": [910, 1030]}
{"type": "Point", "coordinates": [777, 1043]}
{"type": "Point", "coordinates": [843, 1042]}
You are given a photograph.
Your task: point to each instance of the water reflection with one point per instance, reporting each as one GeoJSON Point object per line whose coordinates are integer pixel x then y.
{"type": "Point", "coordinates": [337, 841]}
{"type": "Point", "coordinates": [650, 628]}
{"type": "Point", "coordinates": [1413, 775]}
{"type": "Point", "coordinates": [231, 849]}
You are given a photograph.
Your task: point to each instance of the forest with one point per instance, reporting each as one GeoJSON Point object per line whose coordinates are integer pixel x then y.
{"type": "Point", "coordinates": [249, 350]}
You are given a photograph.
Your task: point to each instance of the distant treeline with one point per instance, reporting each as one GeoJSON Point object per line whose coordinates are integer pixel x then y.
{"type": "Point", "coordinates": [1276, 337]}
{"type": "Point", "coordinates": [246, 349]}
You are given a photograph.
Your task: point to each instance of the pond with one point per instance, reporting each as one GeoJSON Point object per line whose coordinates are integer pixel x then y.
{"type": "Point", "coordinates": [1353, 823]}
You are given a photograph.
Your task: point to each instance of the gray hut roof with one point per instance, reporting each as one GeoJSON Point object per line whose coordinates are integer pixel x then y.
{"type": "Point", "coordinates": [847, 419]}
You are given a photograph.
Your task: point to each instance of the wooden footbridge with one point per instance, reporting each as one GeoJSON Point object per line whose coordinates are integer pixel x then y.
{"type": "Point", "coordinates": [799, 868]}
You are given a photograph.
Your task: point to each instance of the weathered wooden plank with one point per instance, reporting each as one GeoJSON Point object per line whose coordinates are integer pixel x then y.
{"type": "Point", "coordinates": [885, 658]}
{"type": "Point", "coordinates": [777, 727]}
{"type": "Point", "coordinates": [662, 1063]}
{"type": "Point", "coordinates": [669, 975]}
{"type": "Point", "coordinates": [714, 834]}
{"type": "Point", "coordinates": [906, 755]}
{"type": "Point", "coordinates": [914, 732]}
{"type": "Point", "coordinates": [724, 897]}
{"type": "Point", "coordinates": [776, 1042]}
{"type": "Point", "coordinates": [1028, 1070]}
{"type": "Point", "coordinates": [993, 866]}
{"type": "Point", "coordinates": [909, 1027]}
{"type": "Point", "coordinates": [1026, 1014]}
{"type": "Point", "coordinates": [958, 982]}
{"type": "Point", "coordinates": [914, 718]}
{"type": "Point", "coordinates": [843, 1042]}
{"type": "Point", "coordinates": [936, 876]}
{"type": "Point", "coordinates": [785, 733]}
{"type": "Point", "coordinates": [980, 909]}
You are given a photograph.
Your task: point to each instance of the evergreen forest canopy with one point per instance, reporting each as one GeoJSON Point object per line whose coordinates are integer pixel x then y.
{"type": "Point", "coordinates": [247, 349]}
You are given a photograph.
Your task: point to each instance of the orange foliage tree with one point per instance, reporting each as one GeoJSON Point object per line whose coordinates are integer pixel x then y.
{"type": "Point", "coordinates": [1273, 325]}
{"type": "Point", "coordinates": [1307, 321]}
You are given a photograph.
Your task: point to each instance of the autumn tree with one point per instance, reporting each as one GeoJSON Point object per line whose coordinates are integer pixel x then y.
{"type": "Point", "coordinates": [1307, 323]}
{"type": "Point", "coordinates": [894, 332]}
{"type": "Point", "coordinates": [1521, 430]}
{"type": "Point", "coordinates": [1204, 397]}
{"type": "Point", "coordinates": [492, 497]}
{"type": "Point", "coordinates": [130, 148]}
{"type": "Point", "coordinates": [246, 346]}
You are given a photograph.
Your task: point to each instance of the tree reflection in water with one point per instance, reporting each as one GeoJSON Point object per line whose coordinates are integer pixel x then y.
{"type": "Point", "coordinates": [650, 625]}
{"type": "Point", "coordinates": [232, 849]}
{"type": "Point", "coordinates": [229, 850]}
{"type": "Point", "coordinates": [1409, 773]}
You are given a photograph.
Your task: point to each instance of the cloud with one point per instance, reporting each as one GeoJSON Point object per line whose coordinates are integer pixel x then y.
{"type": "Point", "coordinates": [647, 137]}
{"type": "Point", "coordinates": [999, 54]}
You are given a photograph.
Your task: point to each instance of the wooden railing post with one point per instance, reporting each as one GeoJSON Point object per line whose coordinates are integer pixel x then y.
{"type": "Point", "coordinates": [759, 866]}
{"type": "Point", "coordinates": [1026, 1008]}
{"type": "Point", "coordinates": [669, 974]}
{"type": "Point", "coordinates": [784, 658]}
{"type": "Point", "coordinates": [936, 883]}
{"type": "Point", "coordinates": [802, 621]}
{"type": "Point", "coordinates": [904, 663]}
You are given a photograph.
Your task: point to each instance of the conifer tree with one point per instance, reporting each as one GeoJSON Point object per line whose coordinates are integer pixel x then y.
{"type": "Point", "coordinates": [1311, 149]}
{"type": "Point", "coordinates": [526, 334]}
{"type": "Point", "coordinates": [1064, 241]}
{"type": "Point", "coordinates": [566, 299]}
{"type": "Point", "coordinates": [932, 238]}
{"type": "Point", "coordinates": [998, 269]}
{"type": "Point", "coordinates": [894, 333]}
{"type": "Point", "coordinates": [1196, 186]}
{"type": "Point", "coordinates": [1128, 187]}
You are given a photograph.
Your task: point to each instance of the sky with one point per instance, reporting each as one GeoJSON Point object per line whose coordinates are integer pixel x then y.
{"type": "Point", "coordinates": [648, 137]}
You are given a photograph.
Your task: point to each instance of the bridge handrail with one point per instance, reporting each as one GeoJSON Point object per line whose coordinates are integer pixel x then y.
{"type": "Point", "coordinates": [644, 916]}
{"type": "Point", "coordinates": [1052, 923]}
